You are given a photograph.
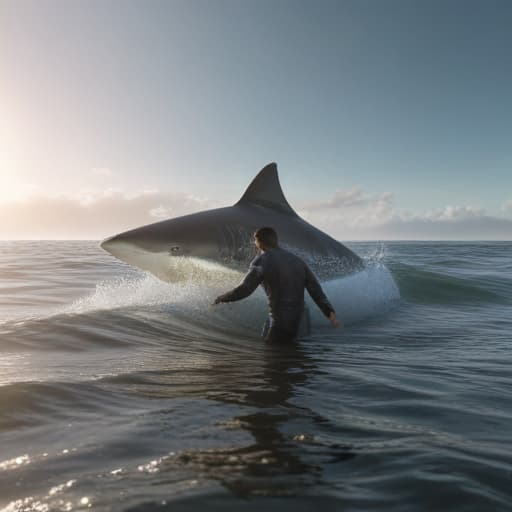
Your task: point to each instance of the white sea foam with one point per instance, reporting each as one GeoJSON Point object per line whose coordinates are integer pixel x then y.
{"type": "Point", "coordinates": [369, 292]}
{"type": "Point", "coordinates": [123, 292]}
{"type": "Point", "coordinates": [359, 295]}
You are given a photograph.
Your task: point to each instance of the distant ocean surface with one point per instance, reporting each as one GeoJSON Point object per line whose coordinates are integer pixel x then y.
{"type": "Point", "coordinates": [119, 392]}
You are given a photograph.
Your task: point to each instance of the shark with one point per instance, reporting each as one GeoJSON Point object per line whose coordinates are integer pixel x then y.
{"type": "Point", "coordinates": [221, 239]}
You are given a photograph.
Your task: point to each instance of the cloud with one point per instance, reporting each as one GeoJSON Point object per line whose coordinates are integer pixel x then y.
{"type": "Point", "coordinates": [451, 213]}
{"type": "Point", "coordinates": [186, 203]}
{"type": "Point", "coordinates": [469, 228]}
{"type": "Point", "coordinates": [507, 206]}
{"type": "Point", "coordinates": [346, 215]}
{"type": "Point", "coordinates": [160, 212]}
{"type": "Point", "coordinates": [356, 215]}
{"type": "Point", "coordinates": [91, 214]}
{"type": "Point", "coordinates": [347, 199]}
{"type": "Point", "coordinates": [353, 207]}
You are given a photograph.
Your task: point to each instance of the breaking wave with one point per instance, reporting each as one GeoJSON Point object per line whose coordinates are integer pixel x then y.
{"type": "Point", "coordinates": [359, 295]}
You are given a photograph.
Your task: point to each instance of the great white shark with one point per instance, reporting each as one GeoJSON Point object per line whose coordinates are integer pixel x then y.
{"type": "Point", "coordinates": [222, 238]}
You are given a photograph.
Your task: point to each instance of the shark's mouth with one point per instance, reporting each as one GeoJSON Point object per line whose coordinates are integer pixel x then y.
{"type": "Point", "coordinates": [173, 269]}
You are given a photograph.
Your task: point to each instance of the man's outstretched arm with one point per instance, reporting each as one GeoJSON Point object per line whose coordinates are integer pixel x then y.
{"type": "Point", "coordinates": [317, 294]}
{"type": "Point", "coordinates": [250, 282]}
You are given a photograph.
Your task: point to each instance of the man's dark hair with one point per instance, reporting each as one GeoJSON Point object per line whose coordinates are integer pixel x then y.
{"type": "Point", "coordinates": [267, 236]}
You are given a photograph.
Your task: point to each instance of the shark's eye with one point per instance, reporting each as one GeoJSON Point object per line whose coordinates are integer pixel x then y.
{"type": "Point", "coordinates": [175, 249]}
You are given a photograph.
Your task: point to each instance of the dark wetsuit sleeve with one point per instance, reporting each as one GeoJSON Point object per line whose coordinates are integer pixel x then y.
{"type": "Point", "coordinates": [250, 282]}
{"type": "Point", "coordinates": [317, 294]}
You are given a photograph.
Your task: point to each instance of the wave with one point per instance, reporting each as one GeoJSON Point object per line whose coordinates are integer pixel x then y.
{"type": "Point", "coordinates": [427, 286]}
{"type": "Point", "coordinates": [32, 403]}
{"type": "Point", "coordinates": [141, 309]}
{"type": "Point", "coordinates": [370, 292]}
{"type": "Point", "coordinates": [365, 293]}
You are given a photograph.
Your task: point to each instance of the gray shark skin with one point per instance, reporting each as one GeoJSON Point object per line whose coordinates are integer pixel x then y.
{"type": "Point", "coordinates": [177, 249]}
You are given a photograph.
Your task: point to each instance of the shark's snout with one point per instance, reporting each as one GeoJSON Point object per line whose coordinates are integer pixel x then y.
{"type": "Point", "coordinates": [135, 251]}
{"type": "Point", "coordinates": [121, 245]}
{"type": "Point", "coordinates": [140, 238]}
{"type": "Point", "coordinates": [113, 244]}
{"type": "Point", "coordinates": [108, 243]}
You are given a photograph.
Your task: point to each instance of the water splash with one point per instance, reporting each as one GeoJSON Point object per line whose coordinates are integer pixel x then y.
{"type": "Point", "coordinates": [370, 292]}
{"type": "Point", "coordinates": [367, 292]}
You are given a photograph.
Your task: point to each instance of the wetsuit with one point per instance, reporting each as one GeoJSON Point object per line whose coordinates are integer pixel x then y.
{"type": "Point", "coordinates": [284, 277]}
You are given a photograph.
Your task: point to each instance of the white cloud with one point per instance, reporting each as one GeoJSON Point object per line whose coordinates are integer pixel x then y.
{"type": "Point", "coordinates": [142, 193]}
{"type": "Point", "coordinates": [354, 214]}
{"type": "Point", "coordinates": [160, 212]}
{"type": "Point", "coordinates": [469, 228]}
{"type": "Point", "coordinates": [357, 208]}
{"type": "Point", "coordinates": [349, 199]}
{"type": "Point", "coordinates": [347, 215]}
{"type": "Point", "coordinates": [507, 206]}
{"type": "Point", "coordinates": [450, 213]}
{"type": "Point", "coordinates": [91, 214]}
{"type": "Point", "coordinates": [353, 207]}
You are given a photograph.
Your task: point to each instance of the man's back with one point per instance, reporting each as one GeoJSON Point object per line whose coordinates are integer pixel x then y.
{"type": "Point", "coordinates": [284, 277]}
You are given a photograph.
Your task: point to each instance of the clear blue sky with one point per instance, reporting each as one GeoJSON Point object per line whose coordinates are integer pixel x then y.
{"type": "Point", "coordinates": [407, 97]}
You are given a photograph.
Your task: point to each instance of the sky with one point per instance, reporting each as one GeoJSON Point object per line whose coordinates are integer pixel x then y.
{"type": "Point", "coordinates": [388, 119]}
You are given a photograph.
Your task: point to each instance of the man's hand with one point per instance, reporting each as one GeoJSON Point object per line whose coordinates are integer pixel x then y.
{"type": "Point", "coordinates": [334, 321]}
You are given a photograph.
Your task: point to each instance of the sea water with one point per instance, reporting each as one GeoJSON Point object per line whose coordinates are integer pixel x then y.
{"type": "Point", "coordinates": [121, 392]}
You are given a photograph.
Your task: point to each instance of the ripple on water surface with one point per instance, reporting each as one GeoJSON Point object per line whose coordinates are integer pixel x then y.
{"type": "Point", "coordinates": [120, 392]}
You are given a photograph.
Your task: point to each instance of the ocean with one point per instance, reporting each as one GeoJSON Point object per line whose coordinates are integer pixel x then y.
{"type": "Point", "coordinates": [119, 392]}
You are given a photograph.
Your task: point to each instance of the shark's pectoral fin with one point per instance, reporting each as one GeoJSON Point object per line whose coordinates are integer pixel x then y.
{"type": "Point", "coordinates": [265, 190]}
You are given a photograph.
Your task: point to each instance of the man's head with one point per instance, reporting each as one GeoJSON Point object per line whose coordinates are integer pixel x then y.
{"type": "Point", "coordinates": [265, 238]}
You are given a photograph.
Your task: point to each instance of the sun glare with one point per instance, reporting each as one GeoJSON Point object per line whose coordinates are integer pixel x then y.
{"type": "Point", "coordinates": [12, 188]}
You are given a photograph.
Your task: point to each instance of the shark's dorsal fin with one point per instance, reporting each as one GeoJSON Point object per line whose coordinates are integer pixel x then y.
{"type": "Point", "coordinates": [265, 190]}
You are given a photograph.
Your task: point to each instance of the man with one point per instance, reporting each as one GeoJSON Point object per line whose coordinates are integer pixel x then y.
{"type": "Point", "coordinates": [284, 277]}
